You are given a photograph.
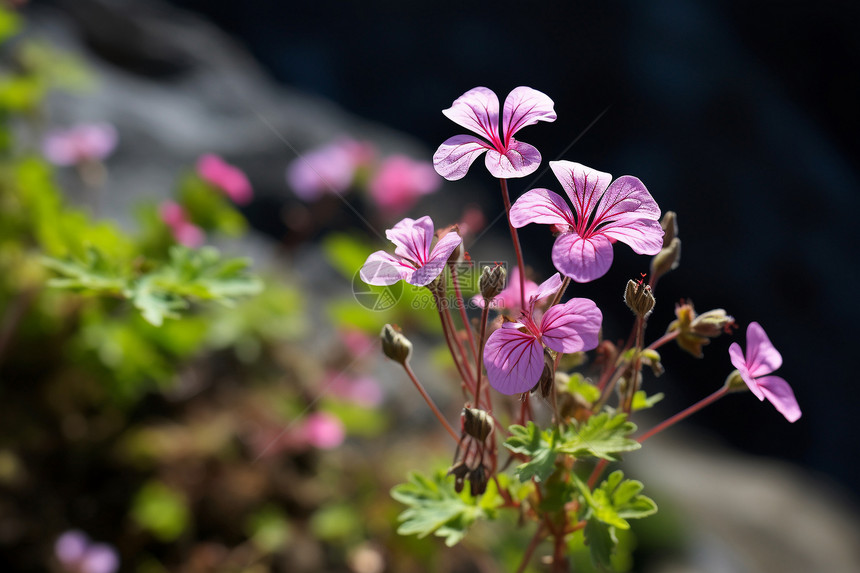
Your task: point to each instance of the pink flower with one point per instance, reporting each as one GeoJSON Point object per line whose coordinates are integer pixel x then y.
{"type": "Point", "coordinates": [623, 211]}
{"type": "Point", "coordinates": [514, 355]}
{"type": "Point", "coordinates": [77, 555]}
{"type": "Point", "coordinates": [413, 260]}
{"type": "Point", "coordinates": [323, 430]}
{"type": "Point", "coordinates": [762, 359]}
{"type": "Point", "coordinates": [361, 390]}
{"type": "Point", "coordinates": [79, 144]}
{"type": "Point", "coordinates": [226, 177]}
{"type": "Point", "coordinates": [184, 231]}
{"type": "Point", "coordinates": [509, 298]}
{"type": "Point", "coordinates": [400, 181]}
{"type": "Point", "coordinates": [328, 169]}
{"type": "Point", "coordinates": [478, 111]}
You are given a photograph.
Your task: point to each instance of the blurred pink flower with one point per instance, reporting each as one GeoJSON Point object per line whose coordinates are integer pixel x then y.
{"type": "Point", "coordinates": [79, 144]}
{"type": "Point", "coordinates": [472, 220]}
{"type": "Point", "coordinates": [400, 182]}
{"type": "Point", "coordinates": [323, 430]}
{"type": "Point", "coordinates": [184, 231]}
{"type": "Point", "coordinates": [328, 169]}
{"type": "Point", "coordinates": [761, 359]}
{"type": "Point", "coordinates": [478, 111]}
{"type": "Point", "coordinates": [77, 555]}
{"type": "Point", "coordinates": [226, 177]}
{"type": "Point", "coordinates": [357, 343]}
{"type": "Point", "coordinates": [362, 390]}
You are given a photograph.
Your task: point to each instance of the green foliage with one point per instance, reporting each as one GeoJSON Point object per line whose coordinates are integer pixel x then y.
{"type": "Point", "coordinates": [602, 436]}
{"type": "Point", "coordinates": [609, 507]}
{"type": "Point", "coordinates": [642, 401]}
{"type": "Point", "coordinates": [434, 507]}
{"type": "Point", "coordinates": [161, 510]}
{"type": "Point", "coordinates": [540, 446]}
{"type": "Point", "coordinates": [187, 276]}
{"type": "Point", "coordinates": [577, 384]}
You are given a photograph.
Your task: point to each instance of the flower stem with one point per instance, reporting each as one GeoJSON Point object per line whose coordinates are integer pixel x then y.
{"type": "Point", "coordinates": [485, 313]}
{"type": "Point", "coordinates": [557, 298]}
{"type": "Point", "coordinates": [516, 240]}
{"type": "Point", "coordinates": [447, 333]}
{"type": "Point", "coordinates": [683, 414]}
{"type": "Point", "coordinates": [668, 337]}
{"type": "Point", "coordinates": [527, 556]}
{"type": "Point", "coordinates": [462, 308]}
{"type": "Point", "coordinates": [429, 400]}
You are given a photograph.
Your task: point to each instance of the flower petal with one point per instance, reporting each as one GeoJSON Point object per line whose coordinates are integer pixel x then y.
{"type": "Point", "coordinates": [739, 362]}
{"type": "Point", "coordinates": [762, 357]}
{"type": "Point", "coordinates": [434, 266]}
{"type": "Point", "coordinates": [541, 206]}
{"type": "Point", "coordinates": [478, 111]}
{"type": "Point", "coordinates": [780, 394]}
{"type": "Point", "coordinates": [572, 326]}
{"type": "Point", "coordinates": [582, 184]}
{"type": "Point", "coordinates": [383, 269]}
{"type": "Point", "coordinates": [547, 288]}
{"type": "Point", "coordinates": [413, 238]}
{"type": "Point", "coordinates": [519, 160]}
{"type": "Point", "coordinates": [644, 236]}
{"type": "Point", "coordinates": [456, 154]}
{"type": "Point", "coordinates": [583, 260]}
{"type": "Point", "coordinates": [525, 106]}
{"type": "Point", "coordinates": [514, 360]}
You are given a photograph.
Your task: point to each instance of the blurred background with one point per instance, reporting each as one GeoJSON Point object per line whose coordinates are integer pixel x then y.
{"type": "Point", "coordinates": [740, 117]}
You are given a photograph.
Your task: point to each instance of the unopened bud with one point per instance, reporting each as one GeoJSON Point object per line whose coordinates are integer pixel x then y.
{"type": "Point", "coordinates": [669, 222]}
{"type": "Point", "coordinates": [639, 298]}
{"type": "Point", "coordinates": [477, 423]}
{"type": "Point", "coordinates": [394, 345]}
{"type": "Point", "coordinates": [735, 382]}
{"type": "Point", "coordinates": [547, 378]}
{"type": "Point", "coordinates": [492, 282]}
{"type": "Point", "coordinates": [712, 323]}
{"type": "Point", "coordinates": [478, 481]}
{"type": "Point", "coordinates": [459, 471]}
{"type": "Point", "coordinates": [458, 255]}
{"type": "Point", "coordinates": [667, 259]}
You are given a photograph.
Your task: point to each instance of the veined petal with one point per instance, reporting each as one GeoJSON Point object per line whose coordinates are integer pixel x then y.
{"type": "Point", "coordinates": [762, 357]}
{"type": "Point", "coordinates": [583, 260]}
{"type": "Point", "coordinates": [478, 111]}
{"type": "Point", "coordinates": [572, 326]}
{"type": "Point", "coordinates": [456, 154]}
{"type": "Point", "coordinates": [412, 238]}
{"type": "Point", "coordinates": [644, 236]}
{"type": "Point", "coordinates": [514, 360]}
{"type": "Point", "coordinates": [582, 184]}
{"type": "Point", "coordinates": [627, 197]}
{"type": "Point", "coordinates": [383, 269]}
{"type": "Point", "coordinates": [780, 394]}
{"type": "Point", "coordinates": [547, 288]}
{"type": "Point", "coordinates": [434, 266]}
{"type": "Point", "coordinates": [525, 106]}
{"type": "Point", "coordinates": [540, 206]}
{"type": "Point", "coordinates": [739, 362]}
{"type": "Point", "coordinates": [520, 159]}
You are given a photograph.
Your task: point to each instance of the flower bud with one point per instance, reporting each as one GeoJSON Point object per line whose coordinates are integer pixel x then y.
{"type": "Point", "coordinates": [547, 378]}
{"type": "Point", "coordinates": [459, 471]}
{"type": "Point", "coordinates": [394, 345]}
{"type": "Point", "coordinates": [667, 259]}
{"type": "Point", "coordinates": [492, 282]}
{"type": "Point", "coordinates": [735, 383]}
{"type": "Point", "coordinates": [478, 481]}
{"type": "Point", "coordinates": [712, 323]}
{"type": "Point", "coordinates": [639, 298]}
{"type": "Point", "coordinates": [669, 222]}
{"type": "Point", "coordinates": [477, 423]}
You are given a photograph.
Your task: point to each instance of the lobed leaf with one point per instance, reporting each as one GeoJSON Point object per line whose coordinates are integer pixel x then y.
{"type": "Point", "coordinates": [540, 446]}
{"type": "Point", "coordinates": [603, 436]}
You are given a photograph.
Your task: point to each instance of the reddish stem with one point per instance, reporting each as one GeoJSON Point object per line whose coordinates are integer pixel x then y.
{"type": "Point", "coordinates": [462, 307]}
{"type": "Point", "coordinates": [429, 400]}
{"type": "Point", "coordinates": [527, 556]}
{"type": "Point", "coordinates": [683, 414]}
{"type": "Point", "coordinates": [516, 240]}
{"type": "Point", "coordinates": [485, 314]}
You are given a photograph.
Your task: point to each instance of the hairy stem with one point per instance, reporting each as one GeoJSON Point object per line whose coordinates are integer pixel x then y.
{"type": "Point", "coordinates": [516, 240]}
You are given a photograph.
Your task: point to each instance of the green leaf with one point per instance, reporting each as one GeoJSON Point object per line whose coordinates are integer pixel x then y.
{"type": "Point", "coordinates": [601, 436]}
{"type": "Point", "coordinates": [161, 510]}
{"type": "Point", "coordinates": [601, 541]}
{"type": "Point", "coordinates": [642, 401]}
{"type": "Point", "coordinates": [540, 446]}
{"type": "Point", "coordinates": [617, 499]}
{"type": "Point", "coordinates": [577, 384]}
{"type": "Point", "coordinates": [434, 507]}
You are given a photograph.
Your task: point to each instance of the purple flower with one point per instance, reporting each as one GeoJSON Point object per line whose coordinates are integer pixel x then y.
{"type": "Point", "coordinates": [77, 555]}
{"type": "Point", "coordinates": [509, 298]}
{"type": "Point", "coordinates": [328, 169]}
{"type": "Point", "coordinates": [762, 359]}
{"type": "Point", "coordinates": [603, 213]}
{"type": "Point", "coordinates": [226, 177]}
{"type": "Point", "coordinates": [79, 144]}
{"type": "Point", "coordinates": [400, 182]}
{"type": "Point", "coordinates": [184, 231]}
{"type": "Point", "coordinates": [478, 111]}
{"type": "Point", "coordinates": [413, 260]}
{"type": "Point", "coordinates": [514, 355]}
